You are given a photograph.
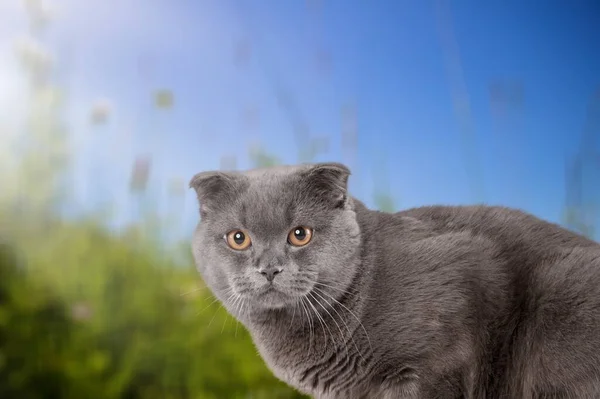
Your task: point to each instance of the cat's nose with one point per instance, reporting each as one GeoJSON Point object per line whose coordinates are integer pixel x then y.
{"type": "Point", "coordinates": [270, 272]}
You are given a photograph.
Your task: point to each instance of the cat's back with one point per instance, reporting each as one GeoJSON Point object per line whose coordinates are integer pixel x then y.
{"type": "Point", "coordinates": [538, 259]}
{"type": "Point", "coordinates": [509, 243]}
{"type": "Point", "coordinates": [496, 237]}
{"type": "Point", "coordinates": [506, 226]}
{"type": "Point", "coordinates": [546, 278]}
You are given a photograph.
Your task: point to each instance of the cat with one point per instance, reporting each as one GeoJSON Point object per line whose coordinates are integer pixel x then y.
{"type": "Point", "coordinates": [475, 302]}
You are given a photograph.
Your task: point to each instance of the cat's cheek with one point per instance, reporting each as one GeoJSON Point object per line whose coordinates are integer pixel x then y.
{"type": "Point", "coordinates": [304, 259]}
{"type": "Point", "coordinates": [197, 254]}
{"type": "Point", "coordinates": [200, 268]}
{"type": "Point", "coordinates": [203, 271]}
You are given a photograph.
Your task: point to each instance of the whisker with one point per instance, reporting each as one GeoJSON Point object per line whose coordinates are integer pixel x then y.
{"type": "Point", "coordinates": [215, 315]}
{"type": "Point", "coordinates": [235, 297]}
{"type": "Point", "coordinates": [310, 325]}
{"type": "Point", "coordinates": [330, 333]}
{"type": "Point", "coordinates": [293, 314]}
{"type": "Point", "coordinates": [339, 289]}
{"type": "Point", "coordinates": [208, 306]}
{"type": "Point", "coordinates": [319, 318]}
{"type": "Point", "coordinates": [351, 313]}
{"type": "Point", "coordinates": [225, 322]}
{"type": "Point", "coordinates": [350, 333]}
{"type": "Point", "coordinates": [241, 306]}
{"type": "Point", "coordinates": [192, 291]}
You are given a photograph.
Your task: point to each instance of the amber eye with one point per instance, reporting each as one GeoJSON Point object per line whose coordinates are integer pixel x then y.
{"type": "Point", "coordinates": [300, 236]}
{"type": "Point", "coordinates": [238, 240]}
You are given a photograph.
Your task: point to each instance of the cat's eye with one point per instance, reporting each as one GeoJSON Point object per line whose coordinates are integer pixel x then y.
{"type": "Point", "coordinates": [238, 240]}
{"type": "Point", "coordinates": [300, 236]}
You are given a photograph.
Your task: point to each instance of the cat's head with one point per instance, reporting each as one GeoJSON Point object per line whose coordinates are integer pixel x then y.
{"type": "Point", "coordinates": [268, 237]}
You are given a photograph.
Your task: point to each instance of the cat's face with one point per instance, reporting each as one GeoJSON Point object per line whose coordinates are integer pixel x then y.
{"type": "Point", "coordinates": [270, 237]}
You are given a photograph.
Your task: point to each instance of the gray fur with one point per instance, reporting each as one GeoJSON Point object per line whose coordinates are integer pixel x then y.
{"type": "Point", "coordinates": [433, 302]}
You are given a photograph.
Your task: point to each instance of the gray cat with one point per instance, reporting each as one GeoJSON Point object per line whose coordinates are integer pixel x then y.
{"type": "Point", "coordinates": [433, 302]}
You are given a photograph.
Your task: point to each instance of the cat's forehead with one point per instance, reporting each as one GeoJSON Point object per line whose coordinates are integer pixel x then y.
{"type": "Point", "coordinates": [273, 173]}
{"type": "Point", "coordinates": [272, 183]}
{"type": "Point", "coordinates": [271, 187]}
{"type": "Point", "coordinates": [271, 195]}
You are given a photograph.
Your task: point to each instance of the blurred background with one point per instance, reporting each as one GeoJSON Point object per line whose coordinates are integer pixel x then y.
{"type": "Point", "coordinates": [107, 108]}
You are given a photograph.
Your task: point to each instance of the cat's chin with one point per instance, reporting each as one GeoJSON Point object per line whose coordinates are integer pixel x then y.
{"type": "Point", "coordinates": [273, 298]}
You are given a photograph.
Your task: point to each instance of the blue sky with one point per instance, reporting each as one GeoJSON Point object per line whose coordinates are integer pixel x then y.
{"type": "Point", "coordinates": [417, 72]}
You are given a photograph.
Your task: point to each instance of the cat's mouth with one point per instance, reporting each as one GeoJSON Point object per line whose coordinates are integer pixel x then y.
{"type": "Point", "coordinates": [272, 296]}
{"type": "Point", "coordinates": [266, 289]}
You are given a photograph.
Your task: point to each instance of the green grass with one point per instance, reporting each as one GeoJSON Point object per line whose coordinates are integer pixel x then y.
{"type": "Point", "coordinates": [88, 314]}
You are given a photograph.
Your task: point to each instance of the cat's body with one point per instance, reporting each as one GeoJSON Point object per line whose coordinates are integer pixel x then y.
{"type": "Point", "coordinates": [433, 302]}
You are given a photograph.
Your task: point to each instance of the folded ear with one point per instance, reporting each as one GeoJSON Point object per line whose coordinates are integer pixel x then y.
{"type": "Point", "coordinates": [328, 182]}
{"type": "Point", "coordinates": [214, 187]}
